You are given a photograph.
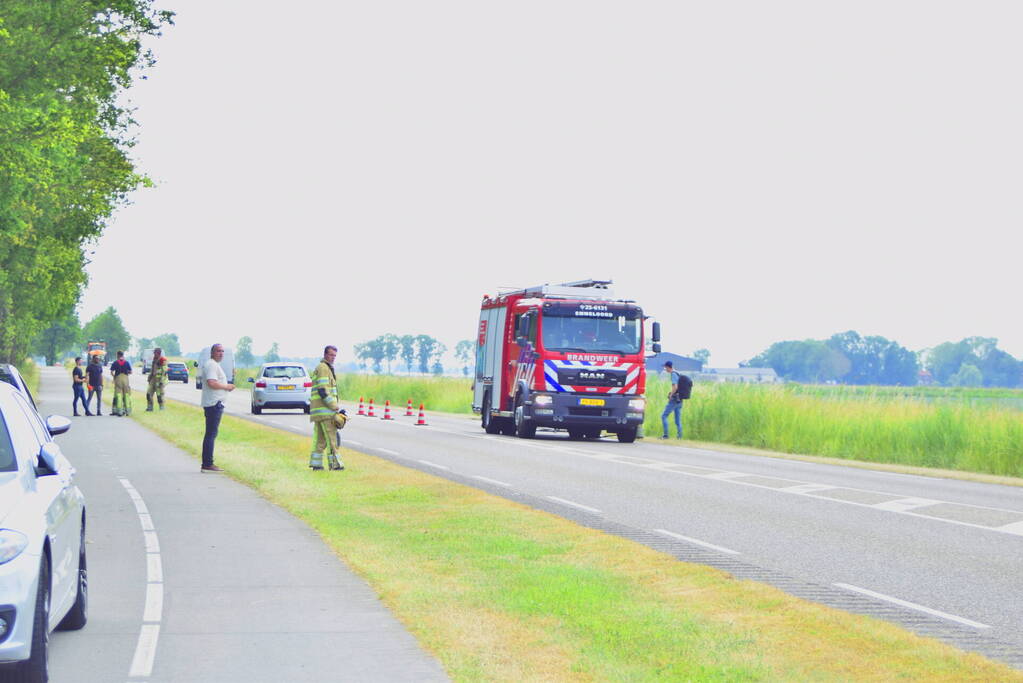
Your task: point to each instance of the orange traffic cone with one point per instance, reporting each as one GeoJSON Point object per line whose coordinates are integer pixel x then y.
{"type": "Point", "coordinates": [408, 410]}
{"type": "Point", "coordinates": [370, 413]}
{"type": "Point", "coordinates": [421, 422]}
{"type": "Point", "coordinates": [387, 411]}
{"type": "Point", "coordinates": [362, 409]}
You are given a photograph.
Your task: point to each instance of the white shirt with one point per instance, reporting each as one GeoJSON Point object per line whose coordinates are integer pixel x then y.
{"type": "Point", "coordinates": [211, 370]}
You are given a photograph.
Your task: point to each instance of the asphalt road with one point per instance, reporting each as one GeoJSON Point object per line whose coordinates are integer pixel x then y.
{"type": "Point", "coordinates": [194, 577]}
{"type": "Point", "coordinates": [938, 555]}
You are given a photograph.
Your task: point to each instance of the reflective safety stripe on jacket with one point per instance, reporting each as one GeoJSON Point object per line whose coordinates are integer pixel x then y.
{"type": "Point", "coordinates": [323, 409]}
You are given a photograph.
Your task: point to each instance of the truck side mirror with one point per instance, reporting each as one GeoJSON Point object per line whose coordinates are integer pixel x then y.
{"type": "Point", "coordinates": [656, 348]}
{"type": "Point", "coordinates": [522, 333]}
{"type": "Point", "coordinates": [656, 334]}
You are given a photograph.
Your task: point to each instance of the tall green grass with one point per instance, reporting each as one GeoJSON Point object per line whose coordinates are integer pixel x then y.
{"type": "Point", "coordinates": [877, 426]}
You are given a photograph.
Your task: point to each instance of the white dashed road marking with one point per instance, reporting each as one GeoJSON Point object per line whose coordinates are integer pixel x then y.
{"type": "Point", "coordinates": [574, 504]}
{"type": "Point", "coordinates": [428, 463]}
{"type": "Point", "coordinates": [492, 481]}
{"type": "Point", "coordinates": [912, 605]}
{"type": "Point", "coordinates": [694, 541]}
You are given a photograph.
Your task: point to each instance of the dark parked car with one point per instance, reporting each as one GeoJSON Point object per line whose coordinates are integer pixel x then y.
{"type": "Point", "coordinates": [177, 372]}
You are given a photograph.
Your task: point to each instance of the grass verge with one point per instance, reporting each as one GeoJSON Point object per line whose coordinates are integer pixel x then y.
{"type": "Point", "coordinates": [498, 591]}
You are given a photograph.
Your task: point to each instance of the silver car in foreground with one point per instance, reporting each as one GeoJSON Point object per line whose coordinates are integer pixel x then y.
{"type": "Point", "coordinates": [281, 385]}
{"type": "Point", "coordinates": [43, 581]}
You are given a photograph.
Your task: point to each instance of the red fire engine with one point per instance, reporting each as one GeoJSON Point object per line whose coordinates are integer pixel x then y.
{"type": "Point", "coordinates": [568, 356]}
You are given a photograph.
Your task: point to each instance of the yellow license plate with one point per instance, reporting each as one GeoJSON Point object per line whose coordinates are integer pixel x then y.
{"type": "Point", "coordinates": [285, 387]}
{"type": "Point", "coordinates": [591, 401]}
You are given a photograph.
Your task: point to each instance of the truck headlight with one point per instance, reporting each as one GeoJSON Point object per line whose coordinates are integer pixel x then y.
{"type": "Point", "coordinates": [543, 400]}
{"type": "Point", "coordinates": [637, 403]}
{"type": "Point", "coordinates": [11, 544]}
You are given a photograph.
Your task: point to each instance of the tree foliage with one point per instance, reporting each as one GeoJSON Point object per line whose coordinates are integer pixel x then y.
{"type": "Point", "coordinates": [107, 327]}
{"type": "Point", "coordinates": [169, 343]}
{"type": "Point", "coordinates": [273, 355]}
{"type": "Point", "coordinates": [61, 336]}
{"type": "Point", "coordinates": [243, 353]}
{"type": "Point", "coordinates": [947, 362]}
{"type": "Point", "coordinates": [64, 143]}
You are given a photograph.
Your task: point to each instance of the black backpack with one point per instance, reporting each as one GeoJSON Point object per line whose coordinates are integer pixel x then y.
{"type": "Point", "coordinates": [685, 387]}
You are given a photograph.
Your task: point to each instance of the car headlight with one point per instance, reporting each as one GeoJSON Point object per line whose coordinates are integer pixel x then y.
{"type": "Point", "coordinates": [543, 400]}
{"type": "Point", "coordinates": [637, 403]}
{"type": "Point", "coordinates": [11, 544]}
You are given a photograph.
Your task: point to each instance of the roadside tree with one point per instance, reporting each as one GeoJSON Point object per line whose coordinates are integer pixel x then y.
{"type": "Point", "coordinates": [107, 327]}
{"type": "Point", "coordinates": [243, 353]}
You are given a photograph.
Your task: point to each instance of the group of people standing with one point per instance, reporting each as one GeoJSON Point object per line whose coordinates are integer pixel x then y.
{"type": "Point", "coordinates": [91, 376]}
{"type": "Point", "coordinates": [324, 411]}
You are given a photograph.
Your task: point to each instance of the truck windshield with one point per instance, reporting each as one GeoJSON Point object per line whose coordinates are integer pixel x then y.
{"type": "Point", "coordinates": [592, 328]}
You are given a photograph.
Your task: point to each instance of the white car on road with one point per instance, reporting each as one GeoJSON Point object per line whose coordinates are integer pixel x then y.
{"type": "Point", "coordinates": [281, 385]}
{"type": "Point", "coordinates": [43, 581]}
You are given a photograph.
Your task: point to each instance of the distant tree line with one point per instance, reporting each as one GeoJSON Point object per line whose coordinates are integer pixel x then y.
{"type": "Point", "coordinates": [420, 351]}
{"type": "Point", "coordinates": [68, 337]}
{"type": "Point", "coordinates": [65, 136]}
{"type": "Point", "coordinates": [849, 358]}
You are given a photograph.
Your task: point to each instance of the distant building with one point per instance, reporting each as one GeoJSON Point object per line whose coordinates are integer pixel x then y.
{"type": "Point", "coordinates": [747, 375]}
{"type": "Point", "coordinates": [655, 362]}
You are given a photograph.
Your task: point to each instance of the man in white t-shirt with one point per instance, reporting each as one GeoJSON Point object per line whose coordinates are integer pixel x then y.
{"type": "Point", "coordinates": [215, 388]}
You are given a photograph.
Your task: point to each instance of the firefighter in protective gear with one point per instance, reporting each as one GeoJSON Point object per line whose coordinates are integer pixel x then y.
{"type": "Point", "coordinates": [157, 380]}
{"type": "Point", "coordinates": [120, 369]}
{"type": "Point", "coordinates": [323, 413]}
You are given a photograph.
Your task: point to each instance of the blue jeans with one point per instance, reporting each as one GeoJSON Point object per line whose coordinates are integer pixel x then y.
{"type": "Point", "coordinates": [672, 407]}
{"type": "Point", "coordinates": [213, 415]}
{"type": "Point", "coordinates": [98, 391]}
{"type": "Point", "coordinates": [79, 396]}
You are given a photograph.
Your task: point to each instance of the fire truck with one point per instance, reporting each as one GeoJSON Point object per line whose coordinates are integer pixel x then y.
{"type": "Point", "coordinates": [568, 356]}
{"type": "Point", "coordinates": [96, 348]}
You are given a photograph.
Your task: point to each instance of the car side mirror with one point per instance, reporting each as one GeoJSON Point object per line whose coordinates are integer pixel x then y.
{"type": "Point", "coordinates": [48, 454]}
{"type": "Point", "coordinates": [57, 424]}
{"type": "Point", "coordinates": [252, 379]}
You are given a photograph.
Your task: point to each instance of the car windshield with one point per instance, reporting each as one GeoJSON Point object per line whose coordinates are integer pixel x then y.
{"type": "Point", "coordinates": [592, 328]}
{"type": "Point", "coordinates": [284, 372]}
{"type": "Point", "coordinates": [6, 376]}
{"type": "Point", "coordinates": [176, 366]}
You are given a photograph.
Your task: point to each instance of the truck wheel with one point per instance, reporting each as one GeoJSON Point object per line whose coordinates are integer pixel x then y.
{"type": "Point", "coordinates": [575, 434]}
{"type": "Point", "coordinates": [627, 435]}
{"type": "Point", "coordinates": [490, 425]}
{"type": "Point", "coordinates": [524, 429]}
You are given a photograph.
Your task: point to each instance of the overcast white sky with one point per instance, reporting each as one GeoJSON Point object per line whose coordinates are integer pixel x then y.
{"type": "Point", "coordinates": [750, 172]}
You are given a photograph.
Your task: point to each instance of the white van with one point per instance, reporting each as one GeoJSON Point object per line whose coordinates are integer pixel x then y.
{"type": "Point", "coordinates": [227, 363]}
{"type": "Point", "coordinates": [146, 360]}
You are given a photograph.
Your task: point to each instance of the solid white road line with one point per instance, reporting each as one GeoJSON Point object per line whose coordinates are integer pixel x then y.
{"type": "Point", "coordinates": [574, 504]}
{"type": "Point", "coordinates": [694, 541]}
{"type": "Point", "coordinates": [388, 451]}
{"type": "Point", "coordinates": [145, 653]}
{"type": "Point", "coordinates": [428, 463]}
{"type": "Point", "coordinates": [912, 605]}
{"type": "Point", "coordinates": [152, 613]}
{"type": "Point", "coordinates": [491, 481]}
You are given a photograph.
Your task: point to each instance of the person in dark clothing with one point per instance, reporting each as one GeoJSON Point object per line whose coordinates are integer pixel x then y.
{"type": "Point", "coordinates": [95, 373]}
{"type": "Point", "coordinates": [78, 387]}
{"type": "Point", "coordinates": [120, 369]}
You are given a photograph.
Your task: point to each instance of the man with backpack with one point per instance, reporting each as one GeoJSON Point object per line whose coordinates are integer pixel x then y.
{"type": "Point", "coordinates": [681, 388]}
